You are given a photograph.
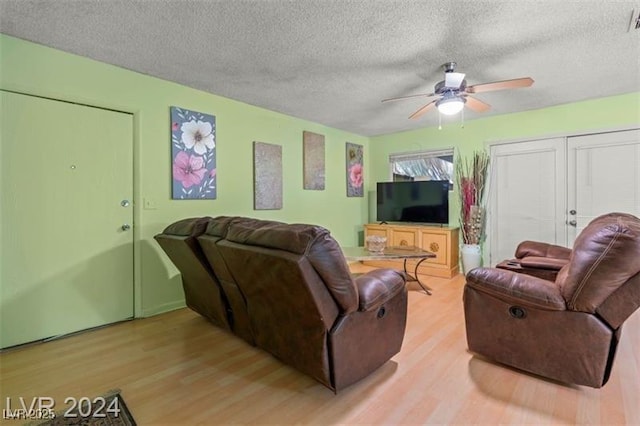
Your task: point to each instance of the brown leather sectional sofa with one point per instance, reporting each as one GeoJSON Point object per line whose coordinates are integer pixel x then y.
{"type": "Point", "coordinates": [566, 327]}
{"type": "Point", "coordinates": [287, 289]}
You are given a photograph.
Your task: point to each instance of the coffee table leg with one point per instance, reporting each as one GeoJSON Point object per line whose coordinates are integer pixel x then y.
{"type": "Point", "coordinates": [415, 276]}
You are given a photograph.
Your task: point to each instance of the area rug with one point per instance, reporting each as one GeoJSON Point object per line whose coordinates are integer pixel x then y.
{"type": "Point", "coordinates": [107, 410]}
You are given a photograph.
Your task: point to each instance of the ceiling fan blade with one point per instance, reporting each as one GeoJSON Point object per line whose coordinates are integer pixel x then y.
{"type": "Point", "coordinates": [423, 109]}
{"type": "Point", "coordinates": [476, 104]}
{"type": "Point", "coordinates": [419, 95]}
{"type": "Point", "coordinates": [453, 79]}
{"type": "Point", "coordinates": [500, 85]}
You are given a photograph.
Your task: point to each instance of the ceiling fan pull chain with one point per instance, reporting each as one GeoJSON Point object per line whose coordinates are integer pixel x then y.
{"type": "Point", "coordinates": [439, 120]}
{"type": "Point", "coordinates": [462, 119]}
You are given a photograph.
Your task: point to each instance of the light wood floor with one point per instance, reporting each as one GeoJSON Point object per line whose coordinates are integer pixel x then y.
{"type": "Point", "coordinates": [176, 368]}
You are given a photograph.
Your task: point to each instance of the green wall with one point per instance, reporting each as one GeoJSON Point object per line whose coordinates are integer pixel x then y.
{"type": "Point", "coordinates": [29, 68]}
{"type": "Point", "coordinates": [33, 69]}
{"type": "Point", "coordinates": [594, 115]}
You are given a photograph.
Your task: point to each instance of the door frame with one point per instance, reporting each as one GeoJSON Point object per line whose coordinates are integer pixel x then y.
{"type": "Point", "coordinates": [135, 113]}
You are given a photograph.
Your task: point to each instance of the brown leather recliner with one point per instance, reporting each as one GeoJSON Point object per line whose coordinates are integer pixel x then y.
{"type": "Point", "coordinates": [290, 292]}
{"type": "Point", "coordinates": [539, 259]}
{"type": "Point", "coordinates": [567, 329]}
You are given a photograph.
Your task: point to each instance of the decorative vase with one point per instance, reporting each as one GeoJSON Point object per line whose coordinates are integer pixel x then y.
{"type": "Point", "coordinates": [376, 243]}
{"type": "Point", "coordinates": [471, 257]}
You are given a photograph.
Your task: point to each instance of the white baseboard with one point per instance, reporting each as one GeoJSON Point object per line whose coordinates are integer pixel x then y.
{"type": "Point", "coordinates": [165, 307]}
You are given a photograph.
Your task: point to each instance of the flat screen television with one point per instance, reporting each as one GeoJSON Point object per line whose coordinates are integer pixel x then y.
{"type": "Point", "coordinates": [417, 201]}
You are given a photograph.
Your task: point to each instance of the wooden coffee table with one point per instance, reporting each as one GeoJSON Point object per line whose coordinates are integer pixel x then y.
{"type": "Point", "coordinates": [402, 252]}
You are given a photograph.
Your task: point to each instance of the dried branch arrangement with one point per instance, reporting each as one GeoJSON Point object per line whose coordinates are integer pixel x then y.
{"type": "Point", "coordinates": [471, 177]}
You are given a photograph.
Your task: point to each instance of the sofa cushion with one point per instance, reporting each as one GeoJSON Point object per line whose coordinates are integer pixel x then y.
{"type": "Point", "coordinates": [188, 227]}
{"type": "Point", "coordinates": [517, 289]}
{"type": "Point", "coordinates": [294, 238]}
{"type": "Point", "coordinates": [321, 249]}
{"type": "Point", "coordinates": [219, 226]}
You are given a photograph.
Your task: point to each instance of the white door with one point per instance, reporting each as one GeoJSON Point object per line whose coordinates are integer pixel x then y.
{"type": "Point", "coordinates": [604, 177]}
{"type": "Point", "coordinates": [66, 262]}
{"type": "Point", "coordinates": [527, 195]}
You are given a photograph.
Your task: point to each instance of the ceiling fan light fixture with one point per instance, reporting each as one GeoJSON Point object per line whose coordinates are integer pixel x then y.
{"type": "Point", "coordinates": [450, 105]}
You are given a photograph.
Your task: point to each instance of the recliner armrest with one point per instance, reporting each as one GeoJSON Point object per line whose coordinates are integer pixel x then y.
{"type": "Point", "coordinates": [517, 288]}
{"type": "Point", "coordinates": [550, 263]}
{"type": "Point", "coordinates": [539, 249]}
{"type": "Point", "coordinates": [378, 286]}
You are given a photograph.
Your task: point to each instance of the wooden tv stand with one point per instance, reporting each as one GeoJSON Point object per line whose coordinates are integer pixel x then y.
{"type": "Point", "coordinates": [442, 241]}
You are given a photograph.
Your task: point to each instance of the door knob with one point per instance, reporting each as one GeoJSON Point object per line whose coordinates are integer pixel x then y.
{"type": "Point", "coordinates": [573, 212]}
{"type": "Point", "coordinates": [126, 227]}
{"type": "Point", "coordinates": [573, 223]}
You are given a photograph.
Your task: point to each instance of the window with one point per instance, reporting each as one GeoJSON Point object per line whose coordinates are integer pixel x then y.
{"type": "Point", "coordinates": [422, 165]}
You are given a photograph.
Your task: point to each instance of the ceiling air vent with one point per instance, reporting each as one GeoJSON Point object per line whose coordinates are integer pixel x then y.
{"type": "Point", "coordinates": [634, 24]}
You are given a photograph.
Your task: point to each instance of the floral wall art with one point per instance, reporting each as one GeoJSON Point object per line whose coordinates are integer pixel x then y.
{"type": "Point", "coordinates": [193, 155]}
{"type": "Point", "coordinates": [355, 179]}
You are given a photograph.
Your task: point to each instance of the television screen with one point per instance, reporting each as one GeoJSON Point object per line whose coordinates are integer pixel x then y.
{"type": "Point", "coordinates": [418, 201]}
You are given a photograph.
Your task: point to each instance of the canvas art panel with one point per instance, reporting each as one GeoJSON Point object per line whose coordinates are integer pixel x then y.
{"type": "Point", "coordinates": [193, 155]}
{"type": "Point", "coordinates": [313, 160]}
{"type": "Point", "coordinates": [355, 170]}
{"type": "Point", "coordinates": [267, 176]}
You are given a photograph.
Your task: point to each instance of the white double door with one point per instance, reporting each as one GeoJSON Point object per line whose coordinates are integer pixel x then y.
{"type": "Point", "coordinates": [549, 190]}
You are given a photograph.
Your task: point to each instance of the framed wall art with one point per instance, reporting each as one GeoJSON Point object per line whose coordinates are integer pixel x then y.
{"type": "Point", "coordinates": [354, 170]}
{"type": "Point", "coordinates": [267, 176]}
{"type": "Point", "coordinates": [193, 155]}
{"type": "Point", "coordinates": [313, 160]}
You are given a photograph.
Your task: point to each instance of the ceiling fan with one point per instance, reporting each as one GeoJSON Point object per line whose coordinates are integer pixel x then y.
{"type": "Point", "coordinates": [451, 94]}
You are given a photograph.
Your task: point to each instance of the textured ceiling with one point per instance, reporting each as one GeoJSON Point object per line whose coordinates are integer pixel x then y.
{"type": "Point", "coordinates": [332, 62]}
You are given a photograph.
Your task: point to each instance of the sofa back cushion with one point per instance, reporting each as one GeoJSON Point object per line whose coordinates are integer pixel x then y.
{"type": "Point", "coordinates": [605, 256]}
{"type": "Point", "coordinates": [217, 230]}
{"type": "Point", "coordinates": [220, 225]}
{"type": "Point", "coordinates": [314, 243]}
{"type": "Point", "coordinates": [189, 227]}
